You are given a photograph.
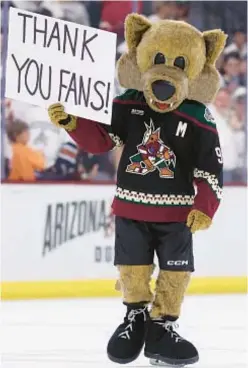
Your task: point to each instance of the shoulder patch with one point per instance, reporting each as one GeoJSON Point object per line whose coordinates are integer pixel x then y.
{"type": "Point", "coordinates": [198, 111]}
{"type": "Point", "coordinates": [208, 116]}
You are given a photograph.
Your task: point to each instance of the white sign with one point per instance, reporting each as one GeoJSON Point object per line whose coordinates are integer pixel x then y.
{"type": "Point", "coordinates": [67, 233]}
{"type": "Point", "coordinates": [50, 60]}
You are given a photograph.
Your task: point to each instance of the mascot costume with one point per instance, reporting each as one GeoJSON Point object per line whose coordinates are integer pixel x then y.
{"type": "Point", "coordinates": [169, 180]}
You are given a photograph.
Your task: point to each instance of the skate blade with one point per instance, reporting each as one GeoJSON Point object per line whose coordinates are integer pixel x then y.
{"type": "Point", "coordinates": [159, 363]}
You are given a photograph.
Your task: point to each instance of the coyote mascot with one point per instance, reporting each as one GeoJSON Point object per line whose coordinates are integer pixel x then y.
{"type": "Point", "coordinates": [171, 146]}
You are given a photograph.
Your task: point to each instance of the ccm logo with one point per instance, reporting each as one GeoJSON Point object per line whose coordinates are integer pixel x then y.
{"type": "Point", "coordinates": [177, 263]}
{"type": "Point", "coordinates": [137, 112]}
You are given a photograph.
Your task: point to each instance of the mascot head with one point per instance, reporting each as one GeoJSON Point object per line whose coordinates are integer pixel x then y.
{"type": "Point", "coordinates": [170, 61]}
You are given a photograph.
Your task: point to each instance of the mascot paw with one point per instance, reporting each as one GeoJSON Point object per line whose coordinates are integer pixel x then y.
{"type": "Point", "coordinates": [60, 118]}
{"type": "Point", "coordinates": [197, 220]}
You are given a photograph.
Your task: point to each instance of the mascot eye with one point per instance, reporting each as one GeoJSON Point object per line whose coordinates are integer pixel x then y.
{"type": "Point", "coordinates": [180, 62]}
{"type": "Point", "coordinates": [159, 58]}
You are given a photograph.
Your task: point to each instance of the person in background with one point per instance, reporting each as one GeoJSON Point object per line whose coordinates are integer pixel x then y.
{"type": "Point", "coordinates": [238, 124]}
{"type": "Point", "coordinates": [73, 11]}
{"type": "Point", "coordinates": [28, 5]}
{"type": "Point", "coordinates": [65, 166]}
{"type": "Point", "coordinates": [239, 44]}
{"type": "Point", "coordinates": [182, 11]}
{"type": "Point", "coordinates": [42, 137]}
{"type": "Point", "coordinates": [243, 71]}
{"type": "Point", "coordinates": [163, 10]}
{"type": "Point", "coordinates": [25, 161]}
{"type": "Point", "coordinates": [96, 167]}
{"type": "Point", "coordinates": [231, 69]}
{"type": "Point", "coordinates": [238, 109]}
{"type": "Point", "coordinates": [113, 14]}
{"type": "Point", "coordinates": [87, 165]}
{"type": "Point", "coordinates": [220, 109]}
{"type": "Point", "coordinates": [94, 11]}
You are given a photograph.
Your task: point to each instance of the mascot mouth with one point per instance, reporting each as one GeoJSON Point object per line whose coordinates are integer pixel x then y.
{"type": "Point", "coordinates": [162, 105]}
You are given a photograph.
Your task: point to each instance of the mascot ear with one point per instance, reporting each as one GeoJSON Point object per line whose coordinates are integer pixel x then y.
{"type": "Point", "coordinates": [215, 41]}
{"type": "Point", "coordinates": [135, 26]}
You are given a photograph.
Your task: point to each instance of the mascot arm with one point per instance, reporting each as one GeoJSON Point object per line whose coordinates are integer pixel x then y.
{"type": "Point", "coordinates": [91, 136]}
{"type": "Point", "coordinates": [208, 176]}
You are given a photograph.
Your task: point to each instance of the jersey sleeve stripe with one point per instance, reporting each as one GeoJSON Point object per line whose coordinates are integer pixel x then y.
{"type": "Point", "coordinates": [195, 121]}
{"type": "Point", "coordinates": [129, 102]}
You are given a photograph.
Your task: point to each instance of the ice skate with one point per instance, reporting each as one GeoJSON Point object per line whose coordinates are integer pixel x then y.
{"type": "Point", "coordinates": [128, 339]}
{"type": "Point", "coordinates": [165, 347]}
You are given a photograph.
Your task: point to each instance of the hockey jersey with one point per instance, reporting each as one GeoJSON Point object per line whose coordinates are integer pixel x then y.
{"type": "Point", "coordinates": [171, 163]}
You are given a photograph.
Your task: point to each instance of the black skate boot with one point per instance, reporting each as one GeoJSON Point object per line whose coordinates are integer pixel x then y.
{"type": "Point", "coordinates": [128, 339]}
{"type": "Point", "coordinates": [164, 346]}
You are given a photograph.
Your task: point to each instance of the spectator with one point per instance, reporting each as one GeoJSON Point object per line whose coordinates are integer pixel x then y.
{"type": "Point", "coordinates": [113, 14]}
{"type": "Point", "coordinates": [239, 109]}
{"type": "Point", "coordinates": [182, 11]}
{"type": "Point", "coordinates": [179, 10]}
{"type": "Point", "coordinates": [43, 135]}
{"type": "Point", "coordinates": [237, 122]}
{"type": "Point", "coordinates": [25, 161]}
{"type": "Point", "coordinates": [25, 5]}
{"type": "Point", "coordinates": [231, 69]}
{"type": "Point", "coordinates": [96, 167]}
{"type": "Point", "coordinates": [65, 166]}
{"type": "Point", "coordinates": [73, 11]}
{"type": "Point", "coordinates": [94, 9]}
{"type": "Point", "coordinates": [163, 10]}
{"type": "Point", "coordinates": [238, 45]}
{"type": "Point", "coordinates": [221, 111]}
{"type": "Point", "coordinates": [243, 71]}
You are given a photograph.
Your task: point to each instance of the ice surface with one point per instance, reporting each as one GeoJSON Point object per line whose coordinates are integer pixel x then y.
{"type": "Point", "coordinates": [74, 333]}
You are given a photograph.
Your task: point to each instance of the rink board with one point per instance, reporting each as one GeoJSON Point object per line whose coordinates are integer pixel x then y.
{"type": "Point", "coordinates": [106, 288]}
{"type": "Point", "coordinates": [58, 242]}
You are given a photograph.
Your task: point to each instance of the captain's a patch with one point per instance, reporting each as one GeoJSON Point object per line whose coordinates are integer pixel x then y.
{"type": "Point", "coordinates": [208, 116]}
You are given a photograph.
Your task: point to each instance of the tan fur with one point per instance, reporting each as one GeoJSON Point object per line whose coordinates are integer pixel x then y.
{"type": "Point", "coordinates": [215, 41]}
{"type": "Point", "coordinates": [135, 26]}
{"type": "Point", "coordinates": [136, 69]}
{"type": "Point", "coordinates": [134, 282]}
{"type": "Point", "coordinates": [198, 220]}
{"type": "Point", "coordinates": [210, 79]}
{"type": "Point", "coordinates": [57, 114]}
{"type": "Point", "coordinates": [170, 289]}
{"type": "Point", "coordinates": [128, 72]}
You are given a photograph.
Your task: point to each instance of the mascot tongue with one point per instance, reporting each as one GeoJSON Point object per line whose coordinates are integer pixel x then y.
{"type": "Point", "coordinates": [162, 105]}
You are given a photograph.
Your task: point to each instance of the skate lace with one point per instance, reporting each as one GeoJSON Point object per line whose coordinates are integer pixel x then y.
{"type": "Point", "coordinates": [131, 319]}
{"type": "Point", "coordinates": [170, 326]}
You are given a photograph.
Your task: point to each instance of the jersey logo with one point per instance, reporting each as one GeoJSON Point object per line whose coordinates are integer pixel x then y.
{"type": "Point", "coordinates": [208, 116]}
{"type": "Point", "coordinates": [153, 155]}
{"type": "Point", "coordinates": [181, 129]}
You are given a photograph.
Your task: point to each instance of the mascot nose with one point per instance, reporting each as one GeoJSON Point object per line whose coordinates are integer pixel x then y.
{"type": "Point", "coordinates": [163, 90]}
